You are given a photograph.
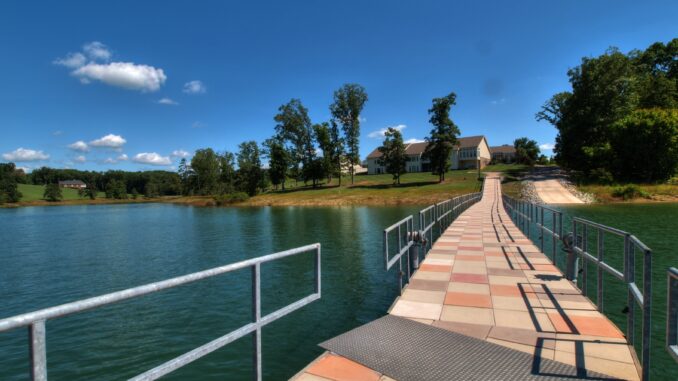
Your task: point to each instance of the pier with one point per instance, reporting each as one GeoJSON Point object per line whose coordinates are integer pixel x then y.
{"type": "Point", "coordinates": [485, 303]}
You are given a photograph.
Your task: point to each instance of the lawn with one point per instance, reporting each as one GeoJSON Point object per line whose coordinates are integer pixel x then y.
{"type": "Point", "coordinates": [33, 194]}
{"type": "Point", "coordinates": [414, 188]}
{"type": "Point", "coordinates": [651, 192]}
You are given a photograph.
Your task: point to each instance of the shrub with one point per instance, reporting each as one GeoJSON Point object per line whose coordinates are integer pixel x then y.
{"type": "Point", "coordinates": [231, 198]}
{"type": "Point", "coordinates": [629, 192]}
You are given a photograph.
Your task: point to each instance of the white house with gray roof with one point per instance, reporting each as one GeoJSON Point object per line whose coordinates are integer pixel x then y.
{"type": "Point", "coordinates": [468, 154]}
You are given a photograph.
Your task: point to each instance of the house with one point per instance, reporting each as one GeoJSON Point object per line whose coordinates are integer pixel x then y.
{"type": "Point", "coordinates": [73, 184]}
{"type": "Point", "coordinates": [469, 153]}
{"type": "Point", "coordinates": [505, 153]}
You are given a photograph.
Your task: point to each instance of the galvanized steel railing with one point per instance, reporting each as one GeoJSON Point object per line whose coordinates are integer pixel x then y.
{"type": "Point", "coordinates": [672, 312]}
{"type": "Point", "coordinates": [35, 321]}
{"type": "Point", "coordinates": [407, 239]}
{"type": "Point", "coordinates": [526, 213]}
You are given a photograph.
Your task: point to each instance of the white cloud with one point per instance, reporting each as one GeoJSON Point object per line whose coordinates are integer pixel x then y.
{"type": "Point", "coordinates": [110, 160]}
{"type": "Point", "coordinates": [414, 140]}
{"type": "Point", "coordinates": [25, 169]}
{"type": "Point", "coordinates": [498, 102]}
{"type": "Point", "coordinates": [180, 154]}
{"type": "Point", "coordinates": [197, 124]}
{"type": "Point", "coordinates": [109, 141]}
{"type": "Point", "coordinates": [167, 101]}
{"type": "Point", "coordinates": [79, 146]}
{"type": "Point", "coordinates": [194, 87]}
{"type": "Point", "coordinates": [127, 75]}
{"type": "Point", "coordinates": [25, 154]}
{"type": "Point", "coordinates": [122, 157]}
{"type": "Point", "coordinates": [151, 158]}
{"type": "Point", "coordinates": [547, 146]}
{"type": "Point", "coordinates": [72, 60]}
{"type": "Point", "coordinates": [80, 159]}
{"type": "Point", "coordinates": [97, 51]}
{"type": "Point", "coordinates": [57, 133]}
{"type": "Point", "coordinates": [380, 133]}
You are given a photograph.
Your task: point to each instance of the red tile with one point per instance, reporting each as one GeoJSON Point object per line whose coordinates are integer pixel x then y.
{"type": "Point", "coordinates": [595, 326]}
{"type": "Point", "coordinates": [546, 268]}
{"type": "Point", "coordinates": [469, 278]}
{"type": "Point", "coordinates": [436, 268]}
{"type": "Point", "coordinates": [468, 300]}
{"type": "Point", "coordinates": [559, 323]}
{"type": "Point", "coordinates": [504, 290]}
{"type": "Point", "coordinates": [342, 369]}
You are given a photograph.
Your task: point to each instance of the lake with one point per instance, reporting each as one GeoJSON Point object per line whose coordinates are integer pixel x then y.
{"type": "Point", "coordinates": [52, 255]}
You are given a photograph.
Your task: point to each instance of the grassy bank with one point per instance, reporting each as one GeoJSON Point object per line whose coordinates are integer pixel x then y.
{"type": "Point", "coordinates": [632, 192]}
{"type": "Point", "coordinates": [415, 189]}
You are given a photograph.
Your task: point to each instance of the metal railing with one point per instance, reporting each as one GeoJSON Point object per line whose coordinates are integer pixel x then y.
{"type": "Point", "coordinates": [408, 240]}
{"type": "Point", "coordinates": [525, 214]}
{"type": "Point", "coordinates": [672, 312]}
{"type": "Point", "coordinates": [35, 321]}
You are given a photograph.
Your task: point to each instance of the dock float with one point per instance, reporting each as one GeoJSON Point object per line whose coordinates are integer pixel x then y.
{"type": "Point", "coordinates": [484, 304]}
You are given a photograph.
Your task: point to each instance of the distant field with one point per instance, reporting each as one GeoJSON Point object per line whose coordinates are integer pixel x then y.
{"type": "Point", "coordinates": [35, 192]}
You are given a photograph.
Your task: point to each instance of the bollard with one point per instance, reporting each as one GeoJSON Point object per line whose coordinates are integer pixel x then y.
{"type": "Point", "coordinates": [417, 247]}
{"type": "Point", "coordinates": [572, 259]}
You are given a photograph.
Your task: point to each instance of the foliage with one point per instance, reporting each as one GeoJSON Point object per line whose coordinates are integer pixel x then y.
{"type": "Point", "coordinates": [205, 166]}
{"type": "Point", "coordinates": [278, 161]}
{"type": "Point", "coordinates": [52, 192]}
{"type": "Point", "coordinates": [90, 192]}
{"type": "Point", "coordinates": [349, 101]}
{"type": "Point", "coordinates": [605, 91]}
{"type": "Point", "coordinates": [294, 129]}
{"type": "Point", "coordinates": [393, 155]}
{"type": "Point", "coordinates": [629, 192]}
{"type": "Point", "coordinates": [527, 151]}
{"type": "Point", "coordinates": [443, 136]}
{"type": "Point", "coordinates": [645, 145]}
{"type": "Point", "coordinates": [231, 198]}
{"type": "Point", "coordinates": [329, 141]}
{"type": "Point", "coordinates": [9, 176]}
{"type": "Point", "coordinates": [116, 189]}
{"type": "Point", "coordinates": [250, 176]}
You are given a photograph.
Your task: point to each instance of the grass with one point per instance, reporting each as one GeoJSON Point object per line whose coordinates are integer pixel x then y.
{"type": "Point", "coordinates": [32, 195]}
{"type": "Point", "coordinates": [651, 192]}
{"type": "Point", "coordinates": [511, 184]}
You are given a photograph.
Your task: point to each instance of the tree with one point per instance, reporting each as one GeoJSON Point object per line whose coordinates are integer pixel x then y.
{"type": "Point", "coordinates": [151, 190]}
{"type": "Point", "coordinates": [116, 189]}
{"type": "Point", "coordinates": [330, 143]}
{"type": "Point", "coordinates": [52, 193]}
{"type": "Point", "coordinates": [9, 189]}
{"type": "Point", "coordinates": [393, 155]}
{"type": "Point", "coordinates": [278, 160]}
{"type": "Point", "coordinates": [227, 172]}
{"type": "Point", "coordinates": [645, 145]}
{"type": "Point", "coordinates": [294, 127]}
{"type": "Point", "coordinates": [349, 101]}
{"type": "Point", "coordinates": [205, 166]}
{"type": "Point", "coordinates": [527, 151]}
{"type": "Point", "coordinates": [250, 175]}
{"type": "Point", "coordinates": [443, 136]}
{"type": "Point", "coordinates": [90, 191]}
{"type": "Point", "coordinates": [185, 175]}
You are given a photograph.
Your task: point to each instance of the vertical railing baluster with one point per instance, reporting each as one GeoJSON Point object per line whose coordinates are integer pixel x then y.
{"type": "Point", "coordinates": [256, 312]}
{"type": "Point", "coordinates": [38, 350]}
{"type": "Point", "coordinates": [631, 275]}
{"type": "Point", "coordinates": [601, 258]}
{"type": "Point", "coordinates": [553, 238]}
{"type": "Point", "coordinates": [542, 229]}
{"type": "Point", "coordinates": [647, 312]}
{"type": "Point", "coordinates": [584, 263]}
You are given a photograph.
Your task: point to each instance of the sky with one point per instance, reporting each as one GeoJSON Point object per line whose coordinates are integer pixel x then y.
{"type": "Point", "coordinates": [138, 85]}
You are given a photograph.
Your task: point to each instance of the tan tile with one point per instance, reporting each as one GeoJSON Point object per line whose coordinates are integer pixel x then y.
{"type": "Point", "coordinates": [339, 368]}
{"type": "Point", "coordinates": [386, 378]}
{"type": "Point", "coordinates": [617, 369]}
{"type": "Point", "coordinates": [471, 288]}
{"type": "Point", "coordinates": [310, 377]}
{"type": "Point", "coordinates": [431, 275]}
{"type": "Point", "coordinates": [474, 330]}
{"type": "Point", "coordinates": [508, 303]}
{"type": "Point", "coordinates": [471, 315]}
{"type": "Point", "coordinates": [515, 319]}
{"type": "Point", "coordinates": [422, 321]}
{"type": "Point", "coordinates": [418, 310]}
{"type": "Point", "coordinates": [423, 296]}
{"type": "Point", "coordinates": [506, 280]}
{"type": "Point", "coordinates": [543, 352]}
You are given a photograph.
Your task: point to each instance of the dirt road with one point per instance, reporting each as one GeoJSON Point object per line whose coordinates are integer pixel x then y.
{"type": "Point", "coordinates": [551, 191]}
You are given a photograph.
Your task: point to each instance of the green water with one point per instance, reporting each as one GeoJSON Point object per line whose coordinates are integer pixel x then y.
{"type": "Point", "coordinates": [52, 255]}
{"type": "Point", "coordinates": [656, 225]}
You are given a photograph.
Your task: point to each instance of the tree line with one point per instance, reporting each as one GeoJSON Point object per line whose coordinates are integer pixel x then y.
{"type": "Point", "coordinates": [619, 122]}
{"type": "Point", "coordinates": [299, 150]}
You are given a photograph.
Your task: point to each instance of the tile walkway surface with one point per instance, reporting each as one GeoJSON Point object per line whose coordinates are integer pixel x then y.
{"type": "Point", "coordinates": [483, 278]}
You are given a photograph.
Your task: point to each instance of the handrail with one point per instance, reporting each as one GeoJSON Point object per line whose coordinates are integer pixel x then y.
{"type": "Point", "coordinates": [672, 312]}
{"type": "Point", "coordinates": [525, 214]}
{"type": "Point", "coordinates": [35, 320]}
{"type": "Point", "coordinates": [438, 215]}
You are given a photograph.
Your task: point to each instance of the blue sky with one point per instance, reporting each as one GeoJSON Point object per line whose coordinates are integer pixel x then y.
{"type": "Point", "coordinates": [137, 85]}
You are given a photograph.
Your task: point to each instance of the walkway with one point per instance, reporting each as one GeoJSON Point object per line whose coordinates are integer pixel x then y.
{"type": "Point", "coordinates": [484, 279]}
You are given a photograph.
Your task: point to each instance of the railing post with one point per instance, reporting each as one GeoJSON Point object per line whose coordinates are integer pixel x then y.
{"type": "Point", "coordinates": [38, 348]}
{"type": "Point", "coordinates": [631, 274]}
{"type": "Point", "coordinates": [647, 312]}
{"type": "Point", "coordinates": [256, 311]}
{"type": "Point", "coordinates": [584, 263]}
{"type": "Point", "coordinates": [553, 238]}
{"type": "Point", "coordinates": [601, 258]}
{"type": "Point", "coordinates": [542, 229]}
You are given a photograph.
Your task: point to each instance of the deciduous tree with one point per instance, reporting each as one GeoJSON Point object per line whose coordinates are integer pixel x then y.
{"type": "Point", "coordinates": [393, 155]}
{"type": "Point", "coordinates": [443, 136]}
{"type": "Point", "coordinates": [52, 192]}
{"type": "Point", "coordinates": [527, 151]}
{"type": "Point", "coordinates": [349, 101]}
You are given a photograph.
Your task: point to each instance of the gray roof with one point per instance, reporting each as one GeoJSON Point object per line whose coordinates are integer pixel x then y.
{"type": "Point", "coordinates": [506, 148]}
{"type": "Point", "coordinates": [419, 148]}
{"type": "Point", "coordinates": [71, 182]}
